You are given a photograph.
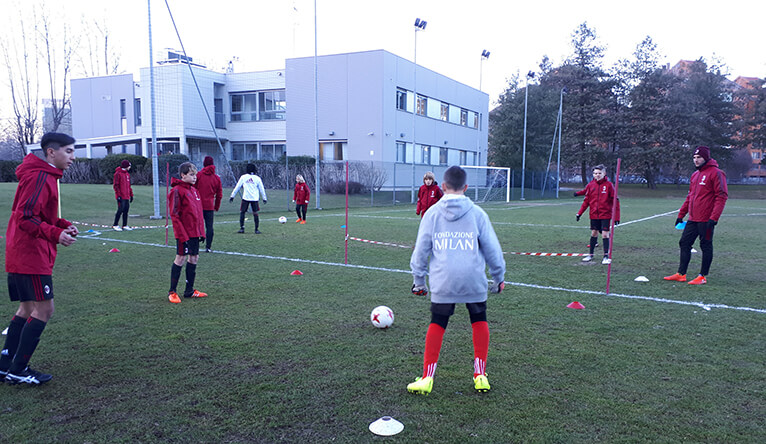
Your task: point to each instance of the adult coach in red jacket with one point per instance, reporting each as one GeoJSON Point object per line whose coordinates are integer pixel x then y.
{"type": "Point", "coordinates": [704, 204]}
{"type": "Point", "coordinates": [123, 192]}
{"type": "Point", "coordinates": [34, 230]}
{"type": "Point", "coordinates": [599, 195]}
{"type": "Point", "coordinates": [210, 191]}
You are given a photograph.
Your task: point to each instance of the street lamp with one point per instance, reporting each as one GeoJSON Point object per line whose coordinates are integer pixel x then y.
{"type": "Point", "coordinates": [484, 55]}
{"type": "Point", "coordinates": [530, 75]}
{"type": "Point", "coordinates": [420, 25]}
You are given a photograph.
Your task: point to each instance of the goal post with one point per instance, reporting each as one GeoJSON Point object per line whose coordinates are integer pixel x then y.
{"type": "Point", "coordinates": [489, 182]}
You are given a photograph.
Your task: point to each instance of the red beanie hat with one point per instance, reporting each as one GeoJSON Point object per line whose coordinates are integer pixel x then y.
{"type": "Point", "coordinates": [703, 152]}
{"type": "Point", "coordinates": [125, 164]}
{"type": "Point", "coordinates": [208, 161]}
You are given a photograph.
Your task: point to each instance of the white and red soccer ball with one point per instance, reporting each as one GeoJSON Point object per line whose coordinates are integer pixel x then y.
{"type": "Point", "coordinates": [282, 219]}
{"type": "Point", "coordinates": [382, 317]}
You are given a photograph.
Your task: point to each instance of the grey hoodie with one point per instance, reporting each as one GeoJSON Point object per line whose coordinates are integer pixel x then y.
{"type": "Point", "coordinates": [459, 239]}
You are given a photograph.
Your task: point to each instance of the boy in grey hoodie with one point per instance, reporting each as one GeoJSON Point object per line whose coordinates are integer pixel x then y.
{"type": "Point", "coordinates": [459, 240]}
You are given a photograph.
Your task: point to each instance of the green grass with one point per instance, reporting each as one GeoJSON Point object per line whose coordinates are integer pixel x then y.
{"type": "Point", "coordinates": [270, 357]}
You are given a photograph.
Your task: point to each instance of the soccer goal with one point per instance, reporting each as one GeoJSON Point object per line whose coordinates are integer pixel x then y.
{"type": "Point", "coordinates": [488, 183]}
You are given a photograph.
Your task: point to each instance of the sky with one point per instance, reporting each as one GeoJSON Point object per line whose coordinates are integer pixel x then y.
{"type": "Point", "coordinates": [260, 34]}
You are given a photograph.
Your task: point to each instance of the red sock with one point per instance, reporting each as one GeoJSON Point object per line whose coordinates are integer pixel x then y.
{"type": "Point", "coordinates": [480, 347]}
{"type": "Point", "coordinates": [434, 338]}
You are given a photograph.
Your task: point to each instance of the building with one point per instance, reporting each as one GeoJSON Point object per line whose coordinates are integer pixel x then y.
{"type": "Point", "coordinates": [365, 106]}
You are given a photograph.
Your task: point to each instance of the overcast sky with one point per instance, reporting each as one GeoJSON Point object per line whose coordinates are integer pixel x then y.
{"type": "Point", "coordinates": [262, 33]}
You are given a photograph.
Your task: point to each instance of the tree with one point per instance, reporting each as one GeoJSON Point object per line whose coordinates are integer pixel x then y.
{"type": "Point", "coordinates": [57, 56]}
{"type": "Point", "coordinates": [21, 62]}
{"type": "Point", "coordinates": [590, 104]}
{"type": "Point", "coordinates": [97, 56]}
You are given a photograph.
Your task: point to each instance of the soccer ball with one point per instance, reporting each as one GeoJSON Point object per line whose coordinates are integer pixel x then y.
{"type": "Point", "coordinates": [382, 317]}
{"type": "Point", "coordinates": [282, 219]}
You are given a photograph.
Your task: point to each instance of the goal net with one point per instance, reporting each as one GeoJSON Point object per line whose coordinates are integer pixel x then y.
{"type": "Point", "coordinates": [488, 184]}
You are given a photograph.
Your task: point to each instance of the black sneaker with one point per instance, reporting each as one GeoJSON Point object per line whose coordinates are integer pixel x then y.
{"type": "Point", "coordinates": [257, 232]}
{"type": "Point", "coordinates": [27, 376]}
{"type": "Point", "coordinates": [241, 230]}
{"type": "Point", "coordinates": [208, 250]}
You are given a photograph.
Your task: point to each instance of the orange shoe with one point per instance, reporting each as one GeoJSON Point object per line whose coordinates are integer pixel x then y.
{"type": "Point", "coordinates": [197, 294]}
{"type": "Point", "coordinates": [303, 222]}
{"type": "Point", "coordinates": [298, 221]}
{"type": "Point", "coordinates": [173, 297]}
{"type": "Point", "coordinates": [699, 280]}
{"type": "Point", "coordinates": [676, 277]}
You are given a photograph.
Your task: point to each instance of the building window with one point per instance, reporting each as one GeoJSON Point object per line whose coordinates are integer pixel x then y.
{"type": "Point", "coordinates": [443, 156]}
{"type": "Point", "coordinates": [272, 151]}
{"type": "Point", "coordinates": [454, 114]}
{"type": "Point", "coordinates": [422, 105]}
{"type": "Point", "coordinates": [137, 112]}
{"type": "Point", "coordinates": [220, 117]}
{"type": "Point", "coordinates": [423, 154]}
{"type": "Point", "coordinates": [401, 99]}
{"type": "Point", "coordinates": [464, 117]}
{"type": "Point", "coordinates": [332, 150]}
{"type": "Point", "coordinates": [475, 120]}
{"type": "Point", "coordinates": [463, 157]}
{"type": "Point", "coordinates": [272, 105]}
{"type": "Point", "coordinates": [445, 112]}
{"type": "Point", "coordinates": [244, 107]}
{"type": "Point", "coordinates": [123, 109]}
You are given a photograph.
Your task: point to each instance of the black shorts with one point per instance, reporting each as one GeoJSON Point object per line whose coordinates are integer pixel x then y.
{"type": "Point", "coordinates": [600, 224]}
{"type": "Point", "coordinates": [190, 247]}
{"type": "Point", "coordinates": [449, 309]}
{"type": "Point", "coordinates": [249, 203]}
{"type": "Point", "coordinates": [30, 287]}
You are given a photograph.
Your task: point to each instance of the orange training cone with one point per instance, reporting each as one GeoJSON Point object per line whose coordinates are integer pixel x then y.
{"type": "Point", "coordinates": [576, 305]}
{"type": "Point", "coordinates": [296, 273]}
{"type": "Point", "coordinates": [114, 250]}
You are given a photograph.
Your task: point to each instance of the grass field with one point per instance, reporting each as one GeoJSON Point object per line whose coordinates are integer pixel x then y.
{"type": "Point", "coordinates": [270, 357]}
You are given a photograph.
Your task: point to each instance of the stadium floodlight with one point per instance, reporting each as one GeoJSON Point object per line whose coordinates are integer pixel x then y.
{"type": "Point", "coordinates": [420, 25]}
{"type": "Point", "coordinates": [530, 75]}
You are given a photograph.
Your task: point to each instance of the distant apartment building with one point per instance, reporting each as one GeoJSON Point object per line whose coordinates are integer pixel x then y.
{"type": "Point", "coordinates": [365, 111]}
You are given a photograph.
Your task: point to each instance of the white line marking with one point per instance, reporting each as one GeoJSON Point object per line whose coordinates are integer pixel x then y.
{"type": "Point", "coordinates": [394, 270]}
{"type": "Point", "coordinates": [647, 218]}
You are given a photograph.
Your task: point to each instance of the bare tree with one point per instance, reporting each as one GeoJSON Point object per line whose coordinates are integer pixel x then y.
{"type": "Point", "coordinates": [97, 56]}
{"type": "Point", "coordinates": [57, 54]}
{"type": "Point", "coordinates": [22, 65]}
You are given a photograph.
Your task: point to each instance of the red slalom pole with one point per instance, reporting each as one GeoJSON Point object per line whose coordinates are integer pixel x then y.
{"type": "Point", "coordinates": [167, 191]}
{"type": "Point", "coordinates": [611, 224]}
{"type": "Point", "coordinates": [345, 259]}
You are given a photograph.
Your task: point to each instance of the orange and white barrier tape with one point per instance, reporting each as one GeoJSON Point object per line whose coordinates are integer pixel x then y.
{"type": "Point", "coordinates": [388, 244]}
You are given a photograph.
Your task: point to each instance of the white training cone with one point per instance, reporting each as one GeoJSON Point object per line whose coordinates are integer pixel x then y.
{"type": "Point", "coordinates": [5, 332]}
{"type": "Point", "coordinates": [386, 426]}
{"type": "Point", "coordinates": [641, 279]}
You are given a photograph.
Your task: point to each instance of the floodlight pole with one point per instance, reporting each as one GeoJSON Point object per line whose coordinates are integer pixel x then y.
{"type": "Point", "coordinates": [484, 55]}
{"type": "Point", "coordinates": [530, 75]}
{"type": "Point", "coordinates": [420, 25]}
{"type": "Point", "coordinates": [155, 167]}
{"type": "Point", "coordinates": [317, 188]}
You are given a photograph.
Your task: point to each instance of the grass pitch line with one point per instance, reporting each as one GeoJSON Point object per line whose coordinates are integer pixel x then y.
{"type": "Point", "coordinates": [647, 218]}
{"type": "Point", "coordinates": [702, 305]}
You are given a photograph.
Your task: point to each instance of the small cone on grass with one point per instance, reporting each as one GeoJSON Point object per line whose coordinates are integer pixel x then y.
{"type": "Point", "coordinates": [576, 305]}
{"type": "Point", "coordinates": [296, 273]}
{"type": "Point", "coordinates": [114, 250]}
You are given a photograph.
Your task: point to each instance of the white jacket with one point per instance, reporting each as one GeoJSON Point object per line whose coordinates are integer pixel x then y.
{"type": "Point", "coordinates": [252, 188]}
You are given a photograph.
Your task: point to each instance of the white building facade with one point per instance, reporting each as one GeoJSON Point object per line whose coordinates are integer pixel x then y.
{"type": "Point", "coordinates": [364, 112]}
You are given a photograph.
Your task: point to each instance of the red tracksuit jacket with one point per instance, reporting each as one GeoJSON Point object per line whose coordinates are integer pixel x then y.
{"type": "Point", "coordinates": [427, 196]}
{"type": "Point", "coordinates": [599, 196]}
{"type": "Point", "coordinates": [121, 184]}
{"type": "Point", "coordinates": [708, 193]}
{"type": "Point", "coordinates": [209, 187]}
{"type": "Point", "coordinates": [34, 227]}
{"type": "Point", "coordinates": [301, 194]}
{"type": "Point", "coordinates": [185, 208]}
